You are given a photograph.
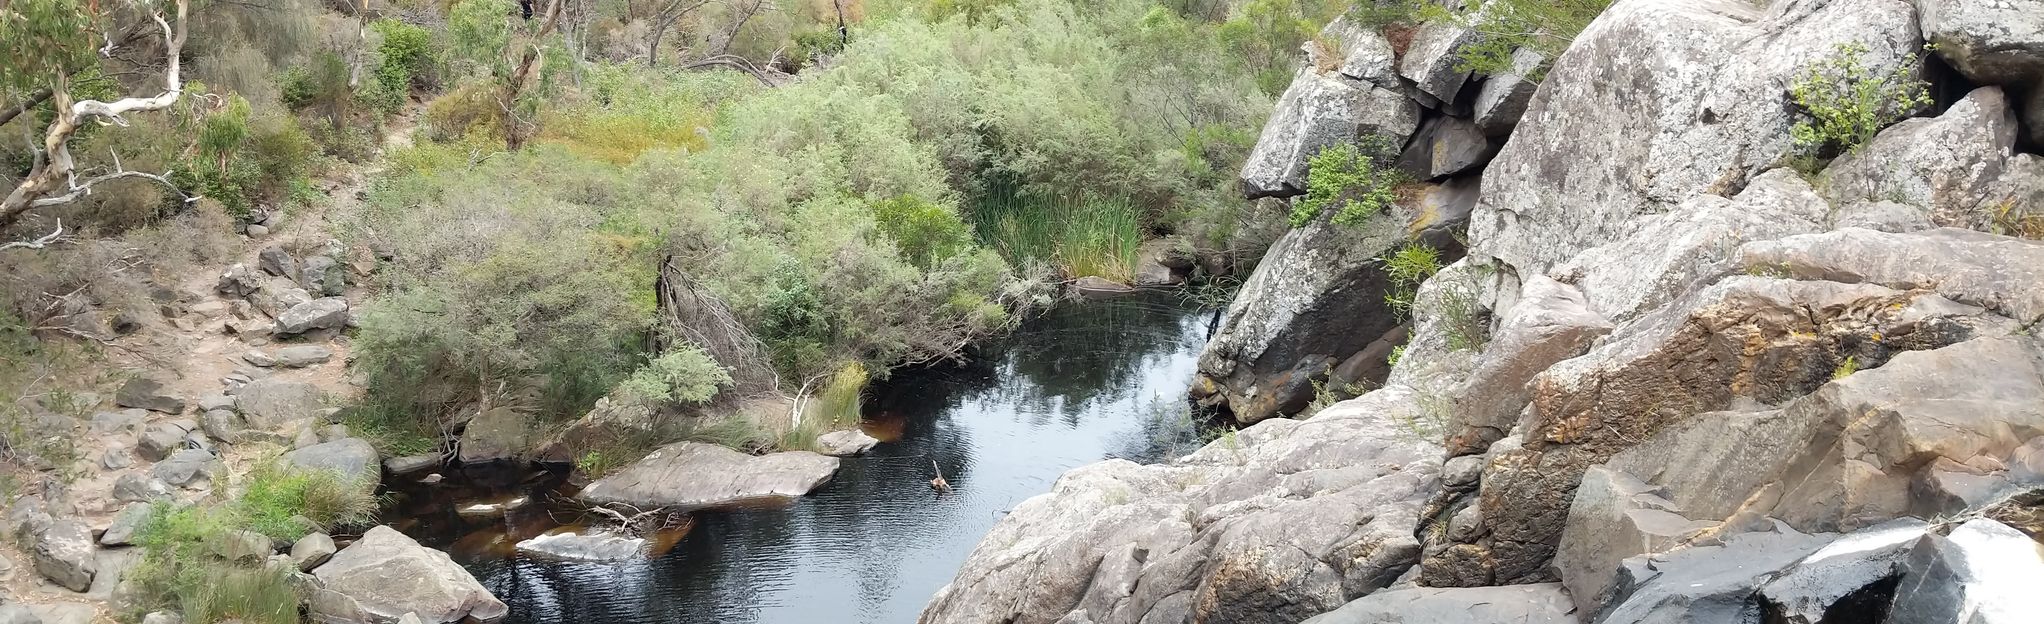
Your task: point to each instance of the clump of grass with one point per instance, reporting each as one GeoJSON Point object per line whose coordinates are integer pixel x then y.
{"type": "Point", "coordinates": [390, 428]}
{"type": "Point", "coordinates": [1080, 236]}
{"type": "Point", "coordinates": [1407, 268]}
{"type": "Point", "coordinates": [279, 501]}
{"type": "Point", "coordinates": [180, 571]}
{"type": "Point", "coordinates": [1846, 368]}
{"type": "Point", "coordinates": [837, 405]}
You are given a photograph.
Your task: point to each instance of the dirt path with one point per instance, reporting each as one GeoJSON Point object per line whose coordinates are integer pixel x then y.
{"type": "Point", "coordinates": [193, 353]}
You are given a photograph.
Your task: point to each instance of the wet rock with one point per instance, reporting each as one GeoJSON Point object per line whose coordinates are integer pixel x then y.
{"type": "Point", "coordinates": [311, 551]}
{"type": "Point", "coordinates": [1703, 583]}
{"type": "Point", "coordinates": [159, 440]}
{"type": "Point", "coordinates": [186, 467]}
{"type": "Point", "coordinates": [385, 575]}
{"type": "Point", "coordinates": [411, 464]}
{"type": "Point", "coordinates": [689, 475]}
{"type": "Point", "coordinates": [1502, 98]}
{"type": "Point", "coordinates": [122, 531]}
{"type": "Point", "coordinates": [1984, 568]}
{"type": "Point", "coordinates": [275, 261]}
{"type": "Point", "coordinates": [353, 458]}
{"type": "Point", "coordinates": [1096, 287]}
{"type": "Point", "coordinates": [271, 403]}
{"type": "Point", "coordinates": [149, 394]}
{"type": "Point", "coordinates": [135, 486]}
{"type": "Point", "coordinates": [845, 443]}
{"type": "Point", "coordinates": [1851, 569]}
{"type": "Point", "coordinates": [301, 356]}
{"type": "Point", "coordinates": [1675, 98]}
{"type": "Point", "coordinates": [1316, 112]}
{"type": "Point", "coordinates": [1949, 166]}
{"type": "Point", "coordinates": [1544, 603]}
{"type": "Point", "coordinates": [578, 547]}
{"type": "Point", "coordinates": [325, 313]}
{"type": "Point", "coordinates": [64, 554]}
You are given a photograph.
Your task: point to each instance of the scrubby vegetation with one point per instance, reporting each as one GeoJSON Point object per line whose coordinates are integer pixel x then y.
{"type": "Point", "coordinates": [191, 564]}
{"type": "Point", "coordinates": [1505, 26]}
{"type": "Point", "coordinates": [1355, 180]}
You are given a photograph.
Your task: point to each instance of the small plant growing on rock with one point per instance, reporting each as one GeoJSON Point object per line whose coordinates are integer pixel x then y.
{"type": "Point", "coordinates": [1355, 180]}
{"type": "Point", "coordinates": [1407, 268]}
{"type": "Point", "coordinates": [1847, 102]}
{"type": "Point", "coordinates": [1846, 368]}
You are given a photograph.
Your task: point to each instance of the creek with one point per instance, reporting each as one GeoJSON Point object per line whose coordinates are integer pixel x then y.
{"type": "Point", "coordinates": [1086, 382]}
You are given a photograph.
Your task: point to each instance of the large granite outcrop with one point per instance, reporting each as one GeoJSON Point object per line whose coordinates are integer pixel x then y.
{"type": "Point", "coordinates": [1319, 111]}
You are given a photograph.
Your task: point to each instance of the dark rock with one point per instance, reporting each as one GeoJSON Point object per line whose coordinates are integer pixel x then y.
{"type": "Point", "coordinates": [275, 261]}
{"type": "Point", "coordinates": [149, 394]}
{"type": "Point", "coordinates": [1858, 564]}
{"type": "Point", "coordinates": [1983, 570]}
{"type": "Point", "coordinates": [1502, 98]}
{"type": "Point", "coordinates": [1703, 583]}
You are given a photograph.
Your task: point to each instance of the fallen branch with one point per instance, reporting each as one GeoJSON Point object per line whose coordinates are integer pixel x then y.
{"type": "Point", "coordinates": [37, 243]}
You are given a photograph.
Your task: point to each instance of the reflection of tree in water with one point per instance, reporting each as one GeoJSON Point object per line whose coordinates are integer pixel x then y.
{"type": "Point", "coordinates": [1079, 354]}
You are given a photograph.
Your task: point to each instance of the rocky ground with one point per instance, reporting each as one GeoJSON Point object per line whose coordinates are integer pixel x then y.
{"type": "Point", "coordinates": [1674, 379]}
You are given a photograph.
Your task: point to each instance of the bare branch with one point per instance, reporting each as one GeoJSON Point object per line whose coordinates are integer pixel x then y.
{"type": "Point", "coordinates": [58, 174]}
{"type": "Point", "coordinates": [37, 243]}
{"type": "Point", "coordinates": [33, 100]}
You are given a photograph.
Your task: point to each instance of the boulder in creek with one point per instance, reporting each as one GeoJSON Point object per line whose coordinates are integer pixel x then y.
{"type": "Point", "coordinates": [385, 575]}
{"type": "Point", "coordinates": [692, 475]}
{"type": "Point", "coordinates": [845, 443]}
{"type": "Point", "coordinates": [271, 403]}
{"type": "Point", "coordinates": [1215, 536]}
{"type": "Point", "coordinates": [1319, 111]}
{"type": "Point", "coordinates": [352, 458]}
{"type": "Point", "coordinates": [312, 551]}
{"type": "Point", "coordinates": [1541, 603]}
{"type": "Point", "coordinates": [498, 434]}
{"type": "Point", "coordinates": [1096, 287]}
{"type": "Point", "coordinates": [1316, 299]}
{"type": "Point", "coordinates": [1672, 98]}
{"type": "Point", "coordinates": [64, 553]}
{"type": "Point", "coordinates": [584, 547]}
{"type": "Point", "coordinates": [322, 313]}
{"type": "Point", "coordinates": [149, 394]}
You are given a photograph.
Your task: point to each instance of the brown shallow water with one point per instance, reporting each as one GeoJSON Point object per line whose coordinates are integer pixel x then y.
{"type": "Point", "coordinates": [1087, 382]}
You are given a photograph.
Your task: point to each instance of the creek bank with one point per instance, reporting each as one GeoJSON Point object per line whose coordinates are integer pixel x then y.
{"type": "Point", "coordinates": [1703, 390]}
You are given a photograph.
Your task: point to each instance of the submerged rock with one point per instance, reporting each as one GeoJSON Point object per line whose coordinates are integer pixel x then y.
{"type": "Point", "coordinates": [585, 547]}
{"type": "Point", "coordinates": [690, 475]}
{"type": "Point", "coordinates": [845, 443]}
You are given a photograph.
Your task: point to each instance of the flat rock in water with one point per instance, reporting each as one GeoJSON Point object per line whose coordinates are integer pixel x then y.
{"type": "Point", "coordinates": [411, 464]}
{"type": "Point", "coordinates": [845, 443]}
{"type": "Point", "coordinates": [591, 547]}
{"type": "Point", "coordinates": [690, 475]}
{"type": "Point", "coordinates": [1093, 287]}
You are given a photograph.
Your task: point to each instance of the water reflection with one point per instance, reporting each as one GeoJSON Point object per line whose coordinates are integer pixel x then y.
{"type": "Point", "coordinates": [1088, 382]}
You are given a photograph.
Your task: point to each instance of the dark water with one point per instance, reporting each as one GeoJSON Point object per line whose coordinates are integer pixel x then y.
{"type": "Point", "coordinates": [1088, 382]}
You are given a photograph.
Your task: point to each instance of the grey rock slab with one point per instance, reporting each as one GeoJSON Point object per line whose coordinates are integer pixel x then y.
{"type": "Point", "coordinates": [1950, 165]}
{"type": "Point", "coordinates": [149, 394]}
{"type": "Point", "coordinates": [1432, 60]}
{"type": "Point", "coordinates": [135, 486]}
{"type": "Point", "coordinates": [1990, 41]}
{"type": "Point", "coordinates": [323, 313]}
{"type": "Point", "coordinates": [159, 440]}
{"type": "Point", "coordinates": [122, 531]}
{"type": "Point", "coordinates": [275, 261]}
{"type": "Point", "coordinates": [311, 551]}
{"type": "Point", "coordinates": [845, 443]}
{"type": "Point", "coordinates": [386, 575]}
{"type": "Point", "coordinates": [1502, 98]}
{"type": "Point", "coordinates": [584, 547]}
{"type": "Point", "coordinates": [495, 435]}
{"type": "Point", "coordinates": [411, 464]}
{"type": "Point", "coordinates": [1318, 111]}
{"type": "Point", "coordinates": [1999, 273]}
{"type": "Point", "coordinates": [688, 475]}
{"type": "Point", "coordinates": [124, 421]}
{"type": "Point", "coordinates": [258, 357]}
{"type": "Point", "coordinates": [1543, 603]}
{"type": "Point", "coordinates": [1984, 572]}
{"type": "Point", "coordinates": [353, 458]}
{"type": "Point", "coordinates": [1855, 561]}
{"type": "Point", "coordinates": [1703, 583]}
{"type": "Point", "coordinates": [301, 356]}
{"type": "Point", "coordinates": [271, 403]}
{"type": "Point", "coordinates": [186, 467]}
{"type": "Point", "coordinates": [323, 277]}
{"type": "Point", "coordinates": [64, 554]}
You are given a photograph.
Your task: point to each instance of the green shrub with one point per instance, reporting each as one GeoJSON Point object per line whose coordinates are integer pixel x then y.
{"type": "Point", "coordinates": [245, 159]}
{"type": "Point", "coordinates": [1406, 269]}
{"type": "Point", "coordinates": [179, 570]}
{"type": "Point", "coordinates": [683, 375]}
{"type": "Point", "coordinates": [1848, 103]}
{"type": "Point", "coordinates": [1544, 26]}
{"type": "Point", "coordinates": [925, 233]}
{"type": "Point", "coordinates": [1353, 179]}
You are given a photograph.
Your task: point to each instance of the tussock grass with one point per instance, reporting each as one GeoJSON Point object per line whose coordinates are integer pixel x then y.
{"type": "Point", "coordinates": [1080, 236]}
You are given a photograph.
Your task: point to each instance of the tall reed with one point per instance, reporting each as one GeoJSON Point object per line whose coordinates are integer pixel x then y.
{"type": "Point", "coordinates": [1081, 236]}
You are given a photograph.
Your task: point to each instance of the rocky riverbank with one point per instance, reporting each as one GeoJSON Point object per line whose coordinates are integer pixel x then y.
{"type": "Point", "coordinates": [1674, 379]}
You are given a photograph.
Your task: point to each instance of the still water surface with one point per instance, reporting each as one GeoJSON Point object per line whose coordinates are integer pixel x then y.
{"type": "Point", "coordinates": [1087, 382]}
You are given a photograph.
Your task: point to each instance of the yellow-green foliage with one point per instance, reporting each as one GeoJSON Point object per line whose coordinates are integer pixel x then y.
{"type": "Point", "coordinates": [837, 404]}
{"type": "Point", "coordinates": [1355, 180]}
{"type": "Point", "coordinates": [1848, 102]}
{"type": "Point", "coordinates": [624, 112]}
{"type": "Point", "coordinates": [1407, 268]}
{"type": "Point", "coordinates": [279, 499]}
{"type": "Point", "coordinates": [683, 375]}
